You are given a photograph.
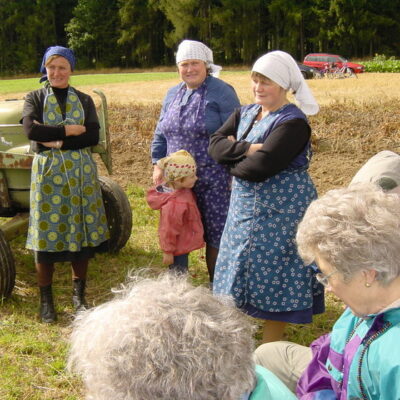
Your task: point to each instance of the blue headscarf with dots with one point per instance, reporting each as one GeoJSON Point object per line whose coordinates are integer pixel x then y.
{"type": "Point", "coordinates": [68, 54]}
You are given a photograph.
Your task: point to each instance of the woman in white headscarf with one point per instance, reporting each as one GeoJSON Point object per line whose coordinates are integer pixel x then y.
{"type": "Point", "coordinates": [266, 146]}
{"type": "Point", "coordinates": [191, 112]}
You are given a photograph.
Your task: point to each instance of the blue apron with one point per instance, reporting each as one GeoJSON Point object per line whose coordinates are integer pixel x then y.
{"type": "Point", "coordinates": [258, 263]}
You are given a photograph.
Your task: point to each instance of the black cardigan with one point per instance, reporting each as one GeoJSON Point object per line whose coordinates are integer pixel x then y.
{"type": "Point", "coordinates": [279, 149]}
{"type": "Point", "coordinates": [33, 111]}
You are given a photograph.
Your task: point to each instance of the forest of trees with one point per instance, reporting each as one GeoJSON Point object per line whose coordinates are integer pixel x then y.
{"type": "Point", "coordinates": [145, 33]}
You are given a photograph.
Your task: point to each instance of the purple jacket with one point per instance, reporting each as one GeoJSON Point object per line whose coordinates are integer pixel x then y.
{"type": "Point", "coordinates": [359, 359]}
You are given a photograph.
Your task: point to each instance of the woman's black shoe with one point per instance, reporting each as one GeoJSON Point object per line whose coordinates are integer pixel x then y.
{"type": "Point", "coordinates": [78, 295]}
{"type": "Point", "coordinates": [47, 311]}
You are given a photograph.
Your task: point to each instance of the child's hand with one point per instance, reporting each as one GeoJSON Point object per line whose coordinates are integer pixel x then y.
{"type": "Point", "coordinates": [168, 258]}
{"type": "Point", "coordinates": [158, 175]}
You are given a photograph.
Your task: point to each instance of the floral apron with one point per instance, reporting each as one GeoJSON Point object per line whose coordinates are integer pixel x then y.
{"type": "Point", "coordinates": [258, 263]}
{"type": "Point", "coordinates": [184, 127]}
{"type": "Point", "coordinates": [66, 207]}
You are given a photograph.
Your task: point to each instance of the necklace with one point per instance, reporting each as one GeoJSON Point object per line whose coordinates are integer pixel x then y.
{"type": "Point", "coordinates": [374, 336]}
{"type": "Point", "coordinates": [379, 332]}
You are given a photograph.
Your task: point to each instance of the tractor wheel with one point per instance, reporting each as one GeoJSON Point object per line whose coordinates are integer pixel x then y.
{"type": "Point", "coordinates": [118, 212]}
{"type": "Point", "coordinates": [7, 268]}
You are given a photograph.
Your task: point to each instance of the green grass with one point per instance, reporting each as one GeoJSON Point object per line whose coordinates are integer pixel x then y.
{"type": "Point", "coordinates": [29, 84]}
{"type": "Point", "coordinates": [33, 355]}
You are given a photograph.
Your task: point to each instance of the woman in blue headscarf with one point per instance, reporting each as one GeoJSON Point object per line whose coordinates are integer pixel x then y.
{"type": "Point", "coordinates": [67, 217]}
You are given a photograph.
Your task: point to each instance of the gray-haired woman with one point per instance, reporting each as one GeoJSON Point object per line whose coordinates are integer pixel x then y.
{"type": "Point", "coordinates": [354, 236]}
{"type": "Point", "coordinates": [167, 340]}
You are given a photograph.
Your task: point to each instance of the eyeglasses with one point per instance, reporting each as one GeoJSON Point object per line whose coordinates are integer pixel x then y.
{"type": "Point", "coordinates": [324, 279]}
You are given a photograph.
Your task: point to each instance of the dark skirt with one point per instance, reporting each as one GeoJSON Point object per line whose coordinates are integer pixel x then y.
{"type": "Point", "coordinates": [46, 257]}
{"type": "Point", "coordinates": [294, 317]}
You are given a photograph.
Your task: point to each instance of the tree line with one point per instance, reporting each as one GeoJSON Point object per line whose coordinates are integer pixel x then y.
{"type": "Point", "coordinates": [145, 33]}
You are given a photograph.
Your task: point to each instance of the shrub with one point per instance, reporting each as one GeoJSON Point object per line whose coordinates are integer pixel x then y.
{"type": "Point", "coordinates": [380, 63]}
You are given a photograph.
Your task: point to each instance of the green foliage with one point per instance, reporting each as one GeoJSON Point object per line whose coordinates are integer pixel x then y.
{"type": "Point", "coordinates": [142, 44]}
{"type": "Point", "coordinates": [241, 41]}
{"type": "Point", "coordinates": [381, 63]}
{"type": "Point", "coordinates": [20, 22]}
{"type": "Point", "coordinates": [143, 33]}
{"type": "Point", "coordinates": [93, 33]}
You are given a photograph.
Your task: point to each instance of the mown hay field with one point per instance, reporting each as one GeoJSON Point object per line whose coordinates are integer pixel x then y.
{"type": "Point", "coordinates": [358, 118]}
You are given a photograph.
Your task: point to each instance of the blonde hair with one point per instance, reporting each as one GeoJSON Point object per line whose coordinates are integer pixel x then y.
{"type": "Point", "coordinates": [52, 58]}
{"type": "Point", "coordinates": [177, 166]}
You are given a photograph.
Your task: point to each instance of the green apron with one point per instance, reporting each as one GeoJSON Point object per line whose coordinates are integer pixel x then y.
{"type": "Point", "coordinates": [66, 207]}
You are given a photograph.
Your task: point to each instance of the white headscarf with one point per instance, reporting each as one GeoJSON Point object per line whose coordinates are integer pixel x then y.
{"type": "Point", "coordinates": [281, 68]}
{"type": "Point", "coordinates": [193, 50]}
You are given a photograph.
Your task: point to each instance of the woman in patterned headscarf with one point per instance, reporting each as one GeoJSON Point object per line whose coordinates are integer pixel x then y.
{"type": "Point", "coordinates": [266, 147]}
{"type": "Point", "coordinates": [191, 112]}
{"type": "Point", "coordinates": [67, 217]}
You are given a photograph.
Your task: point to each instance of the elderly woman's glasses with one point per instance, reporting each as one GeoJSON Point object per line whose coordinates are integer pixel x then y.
{"type": "Point", "coordinates": [324, 279]}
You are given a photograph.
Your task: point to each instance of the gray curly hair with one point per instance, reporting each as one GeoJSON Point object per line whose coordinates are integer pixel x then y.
{"type": "Point", "coordinates": [355, 228]}
{"type": "Point", "coordinates": [163, 339]}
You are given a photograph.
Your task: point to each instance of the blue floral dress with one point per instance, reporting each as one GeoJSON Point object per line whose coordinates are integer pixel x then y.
{"type": "Point", "coordinates": [258, 263]}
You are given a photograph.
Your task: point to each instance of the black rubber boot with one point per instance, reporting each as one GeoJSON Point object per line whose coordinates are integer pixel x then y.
{"type": "Point", "coordinates": [47, 311]}
{"type": "Point", "coordinates": [78, 295]}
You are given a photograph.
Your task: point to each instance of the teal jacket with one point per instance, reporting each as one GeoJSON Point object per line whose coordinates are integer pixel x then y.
{"type": "Point", "coordinates": [269, 387]}
{"type": "Point", "coordinates": [359, 359]}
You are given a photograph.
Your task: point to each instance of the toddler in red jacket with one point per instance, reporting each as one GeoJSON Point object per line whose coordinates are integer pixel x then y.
{"type": "Point", "coordinates": [180, 229]}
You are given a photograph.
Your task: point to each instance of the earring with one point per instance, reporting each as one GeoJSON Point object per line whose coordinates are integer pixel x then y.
{"type": "Point", "coordinates": [367, 284]}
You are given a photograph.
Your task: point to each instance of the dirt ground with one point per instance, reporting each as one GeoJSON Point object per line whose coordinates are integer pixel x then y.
{"type": "Point", "coordinates": [342, 141]}
{"type": "Point", "coordinates": [131, 156]}
{"type": "Point", "coordinates": [358, 118]}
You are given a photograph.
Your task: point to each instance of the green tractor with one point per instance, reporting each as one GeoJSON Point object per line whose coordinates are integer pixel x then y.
{"type": "Point", "coordinates": [15, 175]}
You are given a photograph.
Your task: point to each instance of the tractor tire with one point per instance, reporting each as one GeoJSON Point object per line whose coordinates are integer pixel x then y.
{"type": "Point", "coordinates": [7, 268]}
{"type": "Point", "coordinates": [118, 212]}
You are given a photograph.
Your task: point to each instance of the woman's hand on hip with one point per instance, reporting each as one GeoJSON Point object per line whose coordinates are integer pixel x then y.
{"type": "Point", "coordinates": [74, 130]}
{"type": "Point", "coordinates": [158, 175]}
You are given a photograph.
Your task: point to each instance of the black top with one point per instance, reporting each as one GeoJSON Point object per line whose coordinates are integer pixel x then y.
{"type": "Point", "coordinates": [33, 111]}
{"type": "Point", "coordinates": [279, 149]}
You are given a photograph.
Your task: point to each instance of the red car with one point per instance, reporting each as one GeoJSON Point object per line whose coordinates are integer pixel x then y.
{"type": "Point", "coordinates": [320, 60]}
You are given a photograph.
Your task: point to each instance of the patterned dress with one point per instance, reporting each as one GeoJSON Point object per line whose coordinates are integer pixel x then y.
{"type": "Point", "coordinates": [258, 263]}
{"type": "Point", "coordinates": [183, 126]}
{"type": "Point", "coordinates": [67, 214]}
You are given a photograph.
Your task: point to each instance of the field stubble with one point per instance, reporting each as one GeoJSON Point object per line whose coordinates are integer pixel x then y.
{"type": "Point", "coordinates": [358, 118]}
